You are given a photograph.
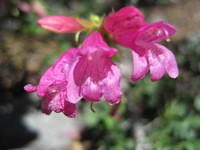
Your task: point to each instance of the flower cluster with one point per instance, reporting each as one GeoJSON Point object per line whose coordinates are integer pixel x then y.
{"type": "Point", "coordinates": [87, 72]}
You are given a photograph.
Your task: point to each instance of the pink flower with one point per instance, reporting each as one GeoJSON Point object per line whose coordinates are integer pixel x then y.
{"type": "Point", "coordinates": [95, 73]}
{"type": "Point", "coordinates": [125, 20]}
{"type": "Point", "coordinates": [86, 72]}
{"type": "Point", "coordinates": [56, 86]}
{"type": "Point", "coordinates": [147, 55]}
{"type": "Point", "coordinates": [60, 24]}
{"type": "Point", "coordinates": [129, 29]}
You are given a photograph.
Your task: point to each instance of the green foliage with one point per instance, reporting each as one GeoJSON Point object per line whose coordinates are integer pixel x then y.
{"type": "Point", "coordinates": [30, 26]}
{"type": "Point", "coordinates": [105, 131]}
{"type": "Point", "coordinates": [85, 7]}
{"type": "Point", "coordinates": [145, 90]}
{"type": "Point", "coordinates": [178, 128]}
{"type": "Point", "coordinates": [179, 121]}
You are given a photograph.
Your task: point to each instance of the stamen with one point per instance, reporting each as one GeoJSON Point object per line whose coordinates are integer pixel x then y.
{"type": "Point", "coordinates": [77, 35]}
{"type": "Point", "coordinates": [168, 39]}
{"type": "Point", "coordinates": [92, 108]}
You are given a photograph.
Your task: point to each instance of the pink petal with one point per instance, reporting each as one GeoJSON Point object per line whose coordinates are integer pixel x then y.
{"type": "Point", "coordinates": [57, 72]}
{"type": "Point", "coordinates": [56, 100]}
{"type": "Point", "coordinates": [73, 90]}
{"type": "Point", "coordinates": [161, 60]}
{"type": "Point", "coordinates": [111, 86]}
{"type": "Point", "coordinates": [155, 32]}
{"type": "Point", "coordinates": [126, 40]}
{"type": "Point", "coordinates": [88, 72]}
{"type": "Point", "coordinates": [123, 21]}
{"type": "Point", "coordinates": [54, 103]}
{"type": "Point", "coordinates": [56, 83]}
{"type": "Point", "coordinates": [156, 67]}
{"type": "Point", "coordinates": [169, 61]}
{"type": "Point", "coordinates": [45, 106]}
{"type": "Point", "coordinates": [60, 24]}
{"type": "Point", "coordinates": [91, 91]}
{"type": "Point", "coordinates": [139, 66]}
{"type": "Point", "coordinates": [70, 110]}
{"type": "Point", "coordinates": [30, 88]}
{"type": "Point", "coordinates": [95, 42]}
{"type": "Point", "coordinates": [93, 65]}
{"type": "Point", "coordinates": [58, 104]}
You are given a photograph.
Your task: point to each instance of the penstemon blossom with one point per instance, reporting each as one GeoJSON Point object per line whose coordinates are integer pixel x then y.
{"type": "Point", "coordinates": [57, 85]}
{"type": "Point", "coordinates": [87, 72]}
{"type": "Point", "coordinates": [141, 38]}
{"type": "Point", "coordinates": [95, 73]}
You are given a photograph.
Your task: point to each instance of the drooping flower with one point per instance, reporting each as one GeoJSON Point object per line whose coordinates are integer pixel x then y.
{"type": "Point", "coordinates": [88, 72]}
{"type": "Point", "coordinates": [84, 72]}
{"type": "Point", "coordinates": [95, 73]}
{"type": "Point", "coordinates": [147, 55]}
{"type": "Point", "coordinates": [56, 86]}
{"type": "Point", "coordinates": [60, 24]}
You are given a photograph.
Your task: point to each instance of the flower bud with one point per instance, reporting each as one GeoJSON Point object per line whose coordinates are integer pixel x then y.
{"type": "Point", "coordinates": [60, 24]}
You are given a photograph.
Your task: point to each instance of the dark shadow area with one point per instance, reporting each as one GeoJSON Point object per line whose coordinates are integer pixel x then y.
{"type": "Point", "coordinates": [13, 106]}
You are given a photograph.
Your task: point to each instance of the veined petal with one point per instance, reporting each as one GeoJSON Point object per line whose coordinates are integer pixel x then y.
{"type": "Point", "coordinates": [60, 24]}
{"type": "Point", "coordinates": [90, 70]}
{"type": "Point", "coordinates": [58, 104]}
{"type": "Point", "coordinates": [156, 58]}
{"type": "Point", "coordinates": [93, 65]}
{"type": "Point", "coordinates": [169, 61]}
{"type": "Point", "coordinates": [52, 103]}
{"type": "Point", "coordinates": [94, 59]}
{"type": "Point", "coordinates": [57, 72]}
{"type": "Point", "coordinates": [139, 66]}
{"type": "Point", "coordinates": [161, 60]}
{"type": "Point", "coordinates": [73, 90]}
{"type": "Point", "coordinates": [155, 32]}
{"type": "Point", "coordinates": [111, 86]}
{"type": "Point", "coordinates": [56, 83]}
{"type": "Point", "coordinates": [56, 100]}
{"type": "Point", "coordinates": [91, 91]}
{"type": "Point", "coordinates": [93, 70]}
{"type": "Point", "coordinates": [156, 67]}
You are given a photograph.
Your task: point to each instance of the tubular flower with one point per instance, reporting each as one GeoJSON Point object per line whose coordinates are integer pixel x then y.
{"type": "Point", "coordinates": [57, 86]}
{"type": "Point", "coordinates": [147, 55]}
{"type": "Point", "coordinates": [85, 72]}
{"type": "Point", "coordinates": [95, 73]}
{"type": "Point", "coordinates": [60, 24]}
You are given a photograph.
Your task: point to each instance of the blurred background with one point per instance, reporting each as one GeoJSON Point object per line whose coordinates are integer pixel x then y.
{"type": "Point", "coordinates": [163, 115]}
